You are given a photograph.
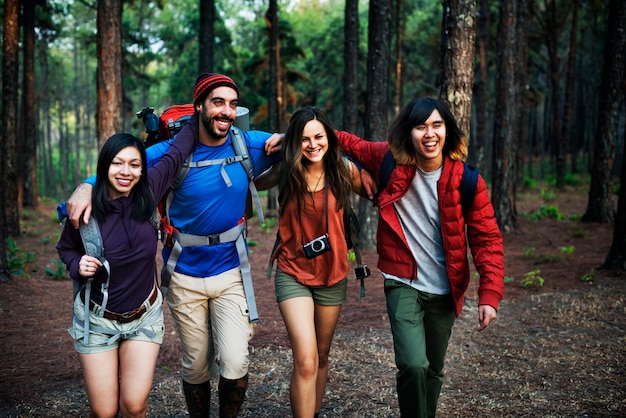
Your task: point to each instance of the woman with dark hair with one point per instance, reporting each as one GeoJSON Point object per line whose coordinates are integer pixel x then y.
{"type": "Point", "coordinates": [118, 336]}
{"type": "Point", "coordinates": [315, 184]}
{"type": "Point", "coordinates": [422, 241]}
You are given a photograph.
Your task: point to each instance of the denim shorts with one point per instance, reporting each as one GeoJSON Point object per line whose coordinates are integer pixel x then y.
{"type": "Point", "coordinates": [286, 287]}
{"type": "Point", "coordinates": [106, 334]}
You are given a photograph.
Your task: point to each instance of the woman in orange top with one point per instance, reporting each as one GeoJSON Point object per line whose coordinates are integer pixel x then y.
{"type": "Point", "coordinates": [315, 184]}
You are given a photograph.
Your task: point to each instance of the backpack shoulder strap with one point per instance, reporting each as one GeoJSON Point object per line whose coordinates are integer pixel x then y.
{"type": "Point", "coordinates": [92, 240]}
{"type": "Point", "coordinates": [468, 186]}
{"type": "Point", "coordinates": [241, 149]}
{"type": "Point", "coordinates": [389, 163]}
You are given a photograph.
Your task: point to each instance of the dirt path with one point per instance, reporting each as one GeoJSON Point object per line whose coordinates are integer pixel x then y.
{"type": "Point", "coordinates": [555, 351]}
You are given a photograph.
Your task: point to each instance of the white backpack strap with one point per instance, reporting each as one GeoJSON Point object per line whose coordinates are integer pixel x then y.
{"type": "Point", "coordinates": [241, 149]}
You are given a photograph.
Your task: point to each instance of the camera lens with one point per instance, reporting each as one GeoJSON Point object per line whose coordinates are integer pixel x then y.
{"type": "Point", "coordinates": [317, 245]}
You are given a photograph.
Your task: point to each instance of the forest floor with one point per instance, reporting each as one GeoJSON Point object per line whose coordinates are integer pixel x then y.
{"type": "Point", "coordinates": [556, 350]}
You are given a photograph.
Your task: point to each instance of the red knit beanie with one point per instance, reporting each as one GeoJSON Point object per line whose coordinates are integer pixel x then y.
{"type": "Point", "coordinates": [209, 81]}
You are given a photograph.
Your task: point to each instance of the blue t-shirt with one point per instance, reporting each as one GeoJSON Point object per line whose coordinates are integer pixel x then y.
{"type": "Point", "coordinates": [204, 204]}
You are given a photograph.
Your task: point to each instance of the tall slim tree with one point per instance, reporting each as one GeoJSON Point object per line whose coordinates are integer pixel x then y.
{"type": "Point", "coordinates": [505, 118]}
{"type": "Point", "coordinates": [569, 85]}
{"type": "Point", "coordinates": [351, 63]}
{"type": "Point", "coordinates": [481, 87]}
{"type": "Point", "coordinates": [458, 34]}
{"type": "Point", "coordinates": [616, 259]}
{"type": "Point", "coordinates": [377, 103]}
{"type": "Point", "coordinates": [109, 84]}
{"type": "Point", "coordinates": [9, 218]}
{"type": "Point", "coordinates": [206, 36]}
{"type": "Point", "coordinates": [274, 96]}
{"type": "Point", "coordinates": [28, 156]}
{"type": "Point", "coordinates": [600, 206]}
{"type": "Point", "coordinates": [8, 147]}
{"type": "Point", "coordinates": [397, 96]}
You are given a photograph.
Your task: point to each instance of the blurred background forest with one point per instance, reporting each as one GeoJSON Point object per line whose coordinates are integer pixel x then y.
{"type": "Point", "coordinates": [538, 85]}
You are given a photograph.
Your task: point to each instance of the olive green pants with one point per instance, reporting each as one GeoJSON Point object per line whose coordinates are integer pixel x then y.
{"type": "Point", "coordinates": [421, 324]}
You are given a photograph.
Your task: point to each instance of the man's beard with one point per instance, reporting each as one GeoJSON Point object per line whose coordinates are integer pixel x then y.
{"type": "Point", "coordinates": [209, 127]}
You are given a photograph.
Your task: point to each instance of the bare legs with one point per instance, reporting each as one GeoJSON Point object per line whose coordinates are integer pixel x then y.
{"type": "Point", "coordinates": [120, 378]}
{"type": "Point", "coordinates": [311, 328]}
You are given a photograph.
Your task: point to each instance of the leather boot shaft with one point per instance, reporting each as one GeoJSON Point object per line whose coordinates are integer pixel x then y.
{"type": "Point", "coordinates": [231, 395]}
{"type": "Point", "coordinates": [198, 399]}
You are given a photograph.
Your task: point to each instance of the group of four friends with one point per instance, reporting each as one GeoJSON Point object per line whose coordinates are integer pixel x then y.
{"type": "Point", "coordinates": [422, 241]}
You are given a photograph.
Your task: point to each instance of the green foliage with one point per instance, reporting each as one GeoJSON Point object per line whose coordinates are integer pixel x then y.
{"type": "Point", "coordinates": [351, 256]}
{"type": "Point", "coordinates": [17, 260]}
{"type": "Point", "coordinates": [532, 279]}
{"type": "Point", "coordinates": [508, 279]}
{"type": "Point", "coordinates": [56, 269]}
{"type": "Point", "coordinates": [547, 195]}
{"type": "Point", "coordinates": [529, 183]}
{"type": "Point", "coordinates": [590, 276]}
{"type": "Point", "coordinates": [578, 233]}
{"type": "Point", "coordinates": [528, 251]}
{"type": "Point", "coordinates": [268, 225]}
{"type": "Point", "coordinates": [575, 217]}
{"type": "Point", "coordinates": [546, 212]}
{"type": "Point", "coordinates": [252, 242]}
{"type": "Point", "coordinates": [573, 180]}
{"type": "Point", "coordinates": [547, 258]}
{"type": "Point", "coordinates": [567, 250]}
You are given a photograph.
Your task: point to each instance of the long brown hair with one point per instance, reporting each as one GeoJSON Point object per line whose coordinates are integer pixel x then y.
{"type": "Point", "coordinates": [292, 181]}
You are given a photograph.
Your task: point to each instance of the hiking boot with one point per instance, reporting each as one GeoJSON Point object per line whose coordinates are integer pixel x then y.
{"type": "Point", "coordinates": [231, 394]}
{"type": "Point", "coordinates": [198, 399]}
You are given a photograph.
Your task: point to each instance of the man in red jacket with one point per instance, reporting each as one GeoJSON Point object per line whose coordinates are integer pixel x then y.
{"type": "Point", "coordinates": [422, 244]}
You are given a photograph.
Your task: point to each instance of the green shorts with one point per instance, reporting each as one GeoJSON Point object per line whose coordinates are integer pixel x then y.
{"type": "Point", "coordinates": [286, 287]}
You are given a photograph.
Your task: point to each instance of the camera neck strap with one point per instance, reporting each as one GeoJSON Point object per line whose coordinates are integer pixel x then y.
{"type": "Point", "coordinates": [325, 210]}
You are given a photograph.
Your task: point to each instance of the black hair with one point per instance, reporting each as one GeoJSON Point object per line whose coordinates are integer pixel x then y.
{"type": "Point", "coordinates": [416, 113]}
{"type": "Point", "coordinates": [143, 200]}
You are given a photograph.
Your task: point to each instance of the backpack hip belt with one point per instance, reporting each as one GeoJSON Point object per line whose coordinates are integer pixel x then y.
{"type": "Point", "coordinates": [235, 234]}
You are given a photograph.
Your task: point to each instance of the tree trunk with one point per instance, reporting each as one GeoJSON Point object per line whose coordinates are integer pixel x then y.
{"type": "Point", "coordinates": [458, 32]}
{"type": "Point", "coordinates": [600, 204]}
{"type": "Point", "coordinates": [551, 38]}
{"type": "Point", "coordinates": [8, 144]}
{"type": "Point", "coordinates": [275, 98]}
{"type": "Point", "coordinates": [569, 87]}
{"type": "Point", "coordinates": [29, 150]}
{"type": "Point", "coordinates": [376, 106]}
{"type": "Point", "coordinates": [397, 99]}
{"type": "Point", "coordinates": [351, 69]}
{"type": "Point", "coordinates": [521, 46]}
{"type": "Point", "coordinates": [616, 259]}
{"type": "Point", "coordinates": [505, 118]}
{"type": "Point", "coordinates": [109, 84]}
{"type": "Point", "coordinates": [481, 86]}
{"type": "Point", "coordinates": [206, 36]}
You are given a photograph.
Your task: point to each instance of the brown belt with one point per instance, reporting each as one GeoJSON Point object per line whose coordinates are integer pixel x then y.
{"type": "Point", "coordinates": [125, 317]}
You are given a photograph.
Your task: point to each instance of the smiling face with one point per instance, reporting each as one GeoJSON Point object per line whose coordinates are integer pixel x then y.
{"type": "Point", "coordinates": [314, 142]}
{"type": "Point", "coordinates": [429, 139]}
{"type": "Point", "coordinates": [217, 112]}
{"type": "Point", "coordinates": [124, 172]}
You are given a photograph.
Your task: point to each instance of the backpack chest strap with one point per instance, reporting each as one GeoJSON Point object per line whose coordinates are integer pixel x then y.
{"type": "Point", "coordinates": [236, 234]}
{"type": "Point", "coordinates": [222, 162]}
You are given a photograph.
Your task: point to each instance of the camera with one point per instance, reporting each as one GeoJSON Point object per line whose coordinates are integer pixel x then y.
{"type": "Point", "coordinates": [318, 246]}
{"type": "Point", "coordinates": [362, 271]}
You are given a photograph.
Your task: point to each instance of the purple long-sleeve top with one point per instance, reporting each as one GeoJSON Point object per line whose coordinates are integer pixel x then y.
{"type": "Point", "coordinates": [129, 245]}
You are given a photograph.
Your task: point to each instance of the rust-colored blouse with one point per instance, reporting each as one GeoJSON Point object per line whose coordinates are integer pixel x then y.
{"type": "Point", "coordinates": [325, 269]}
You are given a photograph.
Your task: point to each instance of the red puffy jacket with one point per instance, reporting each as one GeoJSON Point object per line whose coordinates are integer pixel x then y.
{"type": "Point", "coordinates": [483, 234]}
